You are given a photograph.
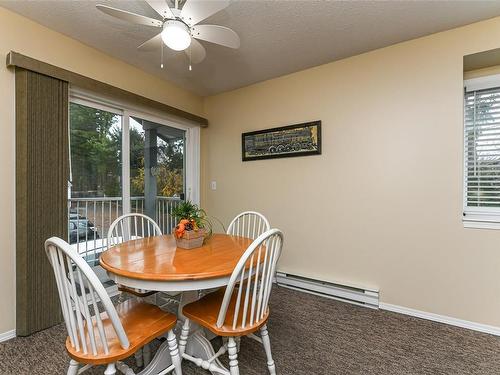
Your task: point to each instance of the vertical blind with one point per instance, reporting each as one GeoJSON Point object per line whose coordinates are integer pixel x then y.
{"type": "Point", "coordinates": [482, 149]}
{"type": "Point", "coordinates": [41, 193]}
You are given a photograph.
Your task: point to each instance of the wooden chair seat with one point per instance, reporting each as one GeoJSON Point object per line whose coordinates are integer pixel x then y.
{"type": "Point", "coordinates": [205, 312]}
{"type": "Point", "coordinates": [142, 323]}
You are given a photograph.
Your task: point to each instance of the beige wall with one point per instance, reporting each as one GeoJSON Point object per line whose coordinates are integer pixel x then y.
{"type": "Point", "coordinates": [382, 206]}
{"type": "Point", "coordinates": [387, 189]}
{"type": "Point", "coordinates": [21, 35]}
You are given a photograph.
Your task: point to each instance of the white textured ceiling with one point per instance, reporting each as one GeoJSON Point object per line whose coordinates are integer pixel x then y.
{"type": "Point", "coordinates": [277, 37]}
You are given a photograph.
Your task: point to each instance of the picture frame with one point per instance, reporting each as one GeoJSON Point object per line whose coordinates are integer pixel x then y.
{"type": "Point", "coordinates": [302, 139]}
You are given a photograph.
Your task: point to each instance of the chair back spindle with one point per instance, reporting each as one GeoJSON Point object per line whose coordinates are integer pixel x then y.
{"type": "Point", "coordinates": [132, 226]}
{"type": "Point", "coordinates": [249, 224]}
{"type": "Point", "coordinates": [79, 288]}
{"type": "Point", "coordinates": [253, 278]}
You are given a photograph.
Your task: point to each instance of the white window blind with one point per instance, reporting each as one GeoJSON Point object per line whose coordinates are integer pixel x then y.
{"type": "Point", "coordinates": [482, 155]}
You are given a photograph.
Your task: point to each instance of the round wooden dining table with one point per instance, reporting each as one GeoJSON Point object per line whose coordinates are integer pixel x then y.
{"type": "Point", "coordinates": [157, 264]}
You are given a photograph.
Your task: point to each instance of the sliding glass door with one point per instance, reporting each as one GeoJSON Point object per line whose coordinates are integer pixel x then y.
{"type": "Point", "coordinates": [124, 161]}
{"type": "Point", "coordinates": [95, 186]}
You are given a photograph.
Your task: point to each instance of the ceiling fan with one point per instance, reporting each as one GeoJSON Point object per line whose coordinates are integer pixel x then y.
{"type": "Point", "coordinates": [180, 27]}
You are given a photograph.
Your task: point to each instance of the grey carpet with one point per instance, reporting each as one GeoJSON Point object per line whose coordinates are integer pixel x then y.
{"type": "Point", "coordinates": [314, 336]}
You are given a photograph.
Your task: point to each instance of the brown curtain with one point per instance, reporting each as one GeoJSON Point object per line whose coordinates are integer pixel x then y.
{"type": "Point", "coordinates": [41, 194]}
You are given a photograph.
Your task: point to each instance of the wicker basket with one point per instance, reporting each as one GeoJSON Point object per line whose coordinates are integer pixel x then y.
{"type": "Point", "coordinates": [191, 239]}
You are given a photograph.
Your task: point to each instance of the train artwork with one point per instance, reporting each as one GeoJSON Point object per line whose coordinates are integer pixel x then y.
{"type": "Point", "coordinates": [293, 140]}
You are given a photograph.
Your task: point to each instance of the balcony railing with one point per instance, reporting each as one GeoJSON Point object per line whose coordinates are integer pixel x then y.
{"type": "Point", "coordinates": [90, 219]}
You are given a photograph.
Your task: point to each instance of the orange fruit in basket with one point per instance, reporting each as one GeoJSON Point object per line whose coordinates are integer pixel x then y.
{"type": "Point", "coordinates": [179, 230]}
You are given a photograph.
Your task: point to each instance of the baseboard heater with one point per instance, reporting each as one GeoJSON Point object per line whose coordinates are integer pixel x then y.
{"type": "Point", "coordinates": [345, 293]}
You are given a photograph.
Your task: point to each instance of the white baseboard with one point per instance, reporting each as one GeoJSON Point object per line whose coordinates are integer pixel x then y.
{"type": "Point", "coordinates": [7, 335]}
{"type": "Point", "coordinates": [492, 330]}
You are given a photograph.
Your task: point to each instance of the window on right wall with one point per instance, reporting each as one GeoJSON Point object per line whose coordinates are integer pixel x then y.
{"type": "Point", "coordinates": [482, 152]}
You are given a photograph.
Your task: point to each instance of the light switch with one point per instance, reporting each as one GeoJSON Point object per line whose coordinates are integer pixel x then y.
{"type": "Point", "coordinates": [213, 185]}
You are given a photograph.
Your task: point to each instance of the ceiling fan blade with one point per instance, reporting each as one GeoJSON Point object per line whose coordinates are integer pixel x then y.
{"type": "Point", "coordinates": [196, 51]}
{"type": "Point", "coordinates": [161, 7]}
{"type": "Point", "coordinates": [152, 44]}
{"type": "Point", "coordinates": [130, 17]}
{"type": "Point", "coordinates": [216, 34]}
{"type": "Point", "coordinates": [195, 11]}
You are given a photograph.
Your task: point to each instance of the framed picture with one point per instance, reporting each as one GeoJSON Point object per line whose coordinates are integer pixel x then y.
{"type": "Point", "coordinates": [287, 141]}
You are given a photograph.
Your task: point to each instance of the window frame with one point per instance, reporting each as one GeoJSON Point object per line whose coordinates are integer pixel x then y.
{"type": "Point", "coordinates": [477, 217]}
{"type": "Point", "coordinates": [127, 110]}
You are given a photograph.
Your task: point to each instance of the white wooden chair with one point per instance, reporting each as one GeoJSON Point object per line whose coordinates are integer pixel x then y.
{"type": "Point", "coordinates": [133, 226]}
{"type": "Point", "coordinates": [129, 227]}
{"type": "Point", "coordinates": [249, 224]}
{"type": "Point", "coordinates": [98, 332]}
{"type": "Point", "coordinates": [240, 309]}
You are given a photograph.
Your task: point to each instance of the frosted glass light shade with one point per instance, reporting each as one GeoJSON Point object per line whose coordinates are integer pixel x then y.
{"type": "Point", "coordinates": [176, 35]}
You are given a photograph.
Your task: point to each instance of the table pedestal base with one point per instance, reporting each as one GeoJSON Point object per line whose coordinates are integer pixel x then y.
{"type": "Point", "coordinates": [197, 346]}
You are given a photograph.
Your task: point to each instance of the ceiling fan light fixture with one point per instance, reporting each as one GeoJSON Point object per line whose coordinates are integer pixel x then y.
{"type": "Point", "coordinates": [176, 35]}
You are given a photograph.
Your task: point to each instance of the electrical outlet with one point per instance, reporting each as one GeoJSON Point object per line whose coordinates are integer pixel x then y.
{"type": "Point", "coordinates": [213, 185]}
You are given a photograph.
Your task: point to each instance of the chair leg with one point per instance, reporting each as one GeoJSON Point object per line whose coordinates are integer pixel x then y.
{"type": "Point", "coordinates": [124, 369]}
{"type": "Point", "coordinates": [233, 357]}
{"type": "Point", "coordinates": [110, 369]}
{"type": "Point", "coordinates": [73, 367]}
{"type": "Point", "coordinates": [267, 347]}
{"type": "Point", "coordinates": [174, 352]}
{"type": "Point", "coordinates": [146, 354]}
{"type": "Point", "coordinates": [184, 336]}
{"type": "Point", "coordinates": [138, 358]}
{"type": "Point", "coordinates": [238, 343]}
{"type": "Point", "coordinates": [121, 298]}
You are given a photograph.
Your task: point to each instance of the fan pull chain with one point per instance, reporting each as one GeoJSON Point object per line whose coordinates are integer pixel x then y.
{"type": "Point", "coordinates": [161, 62]}
{"type": "Point", "coordinates": [190, 51]}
